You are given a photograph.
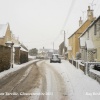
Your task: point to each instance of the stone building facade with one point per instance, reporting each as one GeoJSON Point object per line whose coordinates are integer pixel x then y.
{"type": "Point", "coordinates": [20, 54]}
{"type": "Point", "coordinates": [73, 41]}
{"type": "Point", "coordinates": [90, 42]}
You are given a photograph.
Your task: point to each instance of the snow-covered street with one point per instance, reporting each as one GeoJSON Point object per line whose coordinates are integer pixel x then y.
{"type": "Point", "coordinates": [42, 80]}
{"type": "Point", "coordinates": [52, 83]}
{"type": "Point", "coordinates": [66, 82]}
{"type": "Point", "coordinates": [17, 83]}
{"type": "Point", "coordinates": [78, 85]}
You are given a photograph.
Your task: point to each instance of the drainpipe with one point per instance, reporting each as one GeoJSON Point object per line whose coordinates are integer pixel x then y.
{"type": "Point", "coordinates": [86, 64]}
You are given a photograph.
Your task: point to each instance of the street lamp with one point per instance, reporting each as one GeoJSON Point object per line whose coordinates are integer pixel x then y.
{"type": "Point", "coordinates": [10, 44]}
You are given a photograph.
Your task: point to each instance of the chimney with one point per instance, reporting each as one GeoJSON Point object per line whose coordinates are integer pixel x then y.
{"type": "Point", "coordinates": [80, 22]}
{"type": "Point", "coordinates": [89, 14]}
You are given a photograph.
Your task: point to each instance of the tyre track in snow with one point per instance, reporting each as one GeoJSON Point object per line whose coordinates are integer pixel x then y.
{"type": "Point", "coordinates": [23, 80]}
{"type": "Point", "coordinates": [52, 82]}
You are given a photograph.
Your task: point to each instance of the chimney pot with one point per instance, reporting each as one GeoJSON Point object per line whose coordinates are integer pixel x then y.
{"type": "Point", "coordinates": [88, 7]}
{"type": "Point", "coordinates": [80, 22]}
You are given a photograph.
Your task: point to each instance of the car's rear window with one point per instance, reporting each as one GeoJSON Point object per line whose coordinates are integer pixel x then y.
{"type": "Point", "coordinates": [54, 56]}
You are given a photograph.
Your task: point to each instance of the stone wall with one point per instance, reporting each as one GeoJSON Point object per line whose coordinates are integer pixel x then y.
{"type": "Point", "coordinates": [74, 63]}
{"type": "Point", "coordinates": [20, 56]}
{"type": "Point", "coordinates": [70, 61]}
{"type": "Point", "coordinates": [94, 75]}
{"type": "Point", "coordinates": [88, 70]}
{"type": "Point", "coordinates": [5, 58]}
{"type": "Point", "coordinates": [17, 55]}
{"type": "Point", "coordinates": [82, 67]}
{"type": "Point", "coordinates": [77, 64]}
{"type": "Point", "coordinates": [23, 56]}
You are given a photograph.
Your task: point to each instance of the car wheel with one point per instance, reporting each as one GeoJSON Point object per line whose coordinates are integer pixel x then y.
{"type": "Point", "coordinates": [59, 61]}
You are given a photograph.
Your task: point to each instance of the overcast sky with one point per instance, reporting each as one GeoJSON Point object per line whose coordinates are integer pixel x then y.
{"type": "Point", "coordinates": [39, 23]}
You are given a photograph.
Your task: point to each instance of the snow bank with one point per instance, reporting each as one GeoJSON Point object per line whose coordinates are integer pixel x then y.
{"type": "Point", "coordinates": [95, 72]}
{"type": "Point", "coordinates": [15, 68]}
{"type": "Point", "coordinates": [79, 86]}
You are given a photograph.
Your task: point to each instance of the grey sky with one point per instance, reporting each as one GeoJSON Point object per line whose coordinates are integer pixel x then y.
{"type": "Point", "coordinates": [38, 23]}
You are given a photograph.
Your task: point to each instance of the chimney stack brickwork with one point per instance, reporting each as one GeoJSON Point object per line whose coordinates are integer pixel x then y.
{"type": "Point", "coordinates": [90, 14]}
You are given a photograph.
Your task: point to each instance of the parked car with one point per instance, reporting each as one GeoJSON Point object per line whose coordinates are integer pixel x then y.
{"type": "Point", "coordinates": [97, 67]}
{"type": "Point", "coordinates": [55, 58]}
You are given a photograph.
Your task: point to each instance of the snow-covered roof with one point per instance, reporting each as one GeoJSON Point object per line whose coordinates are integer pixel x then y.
{"type": "Point", "coordinates": [50, 50]}
{"type": "Point", "coordinates": [3, 28]}
{"type": "Point", "coordinates": [82, 42]}
{"type": "Point", "coordinates": [89, 45]}
{"type": "Point", "coordinates": [17, 45]}
{"type": "Point", "coordinates": [9, 42]}
{"type": "Point", "coordinates": [22, 49]}
{"type": "Point", "coordinates": [23, 46]}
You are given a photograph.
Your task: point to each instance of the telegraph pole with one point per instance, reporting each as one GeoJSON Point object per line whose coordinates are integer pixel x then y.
{"type": "Point", "coordinates": [53, 47]}
{"type": "Point", "coordinates": [64, 44]}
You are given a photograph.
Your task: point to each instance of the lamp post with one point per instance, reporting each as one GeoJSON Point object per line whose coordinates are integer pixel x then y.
{"type": "Point", "coordinates": [64, 44]}
{"type": "Point", "coordinates": [10, 44]}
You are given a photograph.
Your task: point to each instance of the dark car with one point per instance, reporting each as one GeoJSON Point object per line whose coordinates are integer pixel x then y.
{"type": "Point", "coordinates": [55, 58]}
{"type": "Point", "coordinates": [97, 67]}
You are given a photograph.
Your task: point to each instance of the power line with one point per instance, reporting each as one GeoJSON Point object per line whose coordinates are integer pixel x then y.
{"type": "Point", "coordinates": [69, 12]}
{"type": "Point", "coordinates": [92, 1]}
{"type": "Point", "coordinates": [83, 14]}
{"type": "Point", "coordinates": [97, 8]}
{"type": "Point", "coordinates": [57, 36]}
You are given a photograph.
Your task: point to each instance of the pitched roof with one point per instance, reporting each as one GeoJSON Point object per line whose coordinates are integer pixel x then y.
{"type": "Point", "coordinates": [89, 26]}
{"type": "Point", "coordinates": [3, 28]}
{"type": "Point", "coordinates": [78, 28]}
{"type": "Point", "coordinates": [24, 47]}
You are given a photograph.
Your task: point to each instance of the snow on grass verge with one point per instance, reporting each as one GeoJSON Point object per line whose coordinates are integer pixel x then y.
{"type": "Point", "coordinates": [79, 86]}
{"type": "Point", "coordinates": [15, 68]}
{"type": "Point", "coordinates": [31, 57]}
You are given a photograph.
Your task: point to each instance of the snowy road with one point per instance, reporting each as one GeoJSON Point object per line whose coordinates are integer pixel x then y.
{"type": "Point", "coordinates": [34, 82]}
{"type": "Point", "coordinates": [48, 81]}
{"type": "Point", "coordinates": [52, 83]}
{"type": "Point", "coordinates": [14, 85]}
